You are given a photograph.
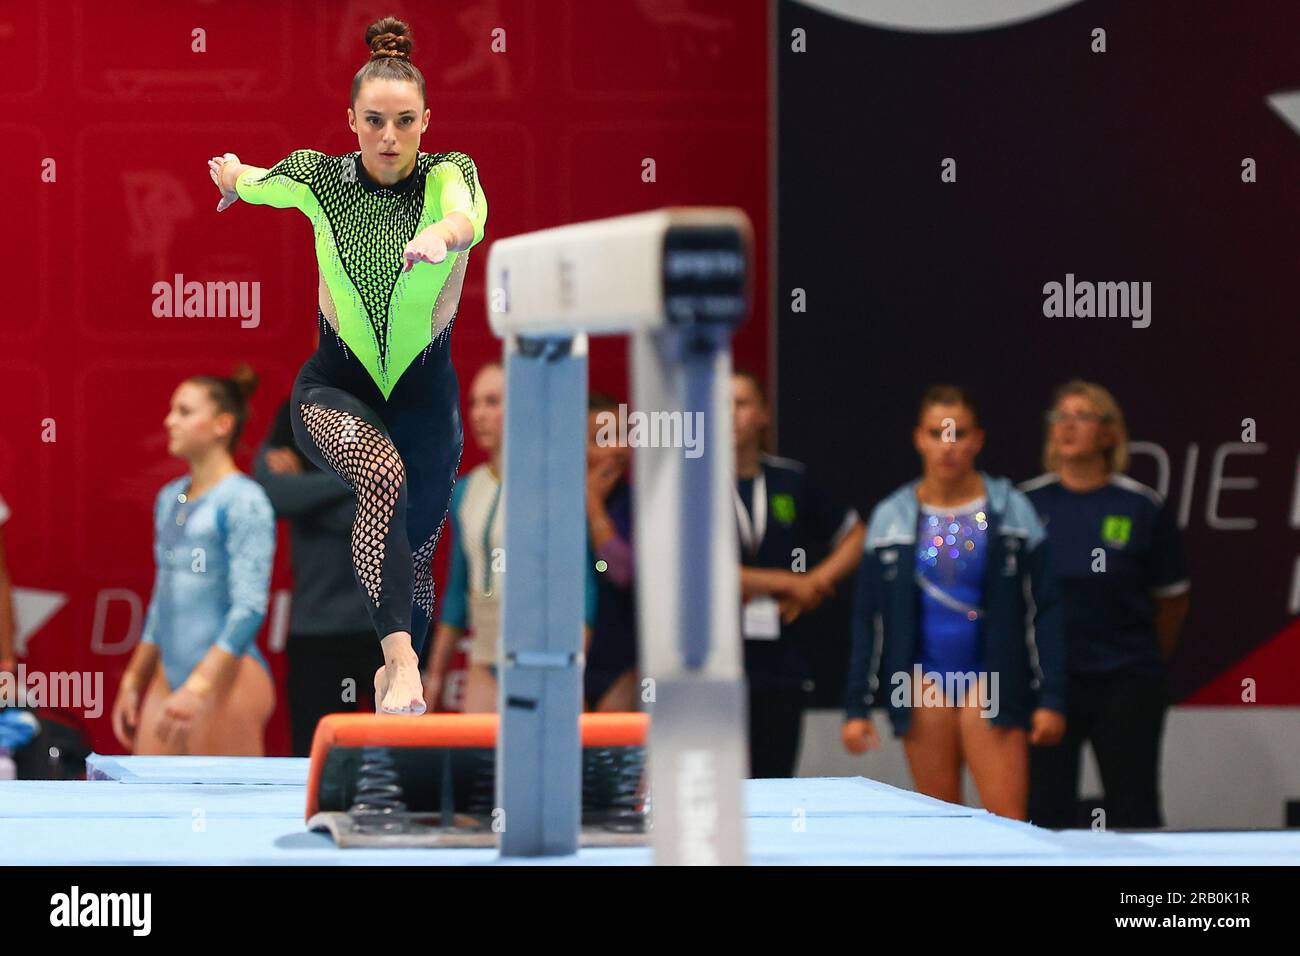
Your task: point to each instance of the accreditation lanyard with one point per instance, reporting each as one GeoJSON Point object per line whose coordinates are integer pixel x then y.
{"type": "Point", "coordinates": [751, 534]}
{"type": "Point", "coordinates": [487, 542]}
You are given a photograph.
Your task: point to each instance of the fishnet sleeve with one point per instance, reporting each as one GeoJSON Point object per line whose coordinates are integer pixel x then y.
{"type": "Point", "coordinates": [456, 187]}
{"type": "Point", "coordinates": [284, 185]}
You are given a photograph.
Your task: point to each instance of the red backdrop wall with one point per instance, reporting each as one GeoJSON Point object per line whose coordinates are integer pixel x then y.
{"type": "Point", "coordinates": [112, 115]}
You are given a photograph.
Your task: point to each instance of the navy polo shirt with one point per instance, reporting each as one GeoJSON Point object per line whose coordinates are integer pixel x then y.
{"type": "Point", "coordinates": [613, 636]}
{"type": "Point", "coordinates": [1110, 613]}
{"type": "Point", "coordinates": [799, 516]}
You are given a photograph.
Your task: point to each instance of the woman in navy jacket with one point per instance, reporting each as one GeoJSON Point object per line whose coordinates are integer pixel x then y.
{"type": "Point", "coordinates": [956, 629]}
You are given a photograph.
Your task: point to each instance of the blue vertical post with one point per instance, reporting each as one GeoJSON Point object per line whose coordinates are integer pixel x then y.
{"type": "Point", "coordinates": [539, 749]}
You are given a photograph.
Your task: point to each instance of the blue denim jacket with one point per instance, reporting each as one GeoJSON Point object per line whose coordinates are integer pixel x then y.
{"type": "Point", "coordinates": [1024, 641]}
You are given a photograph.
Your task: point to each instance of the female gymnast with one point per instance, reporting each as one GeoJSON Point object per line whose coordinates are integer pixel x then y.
{"type": "Point", "coordinates": [378, 403]}
{"type": "Point", "coordinates": [214, 542]}
{"type": "Point", "coordinates": [955, 613]}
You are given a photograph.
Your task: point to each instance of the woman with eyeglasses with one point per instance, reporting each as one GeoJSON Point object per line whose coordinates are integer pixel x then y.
{"type": "Point", "coordinates": [956, 628]}
{"type": "Point", "coordinates": [1117, 559]}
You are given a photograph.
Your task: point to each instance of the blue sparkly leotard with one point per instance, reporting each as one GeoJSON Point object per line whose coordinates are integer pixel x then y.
{"type": "Point", "coordinates": [950, 560]}
{"type": "Point", "coordinates": [213, 580]}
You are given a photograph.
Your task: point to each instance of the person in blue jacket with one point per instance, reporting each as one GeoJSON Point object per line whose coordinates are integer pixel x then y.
{"type": "Point", "coordinates": [955, 627]}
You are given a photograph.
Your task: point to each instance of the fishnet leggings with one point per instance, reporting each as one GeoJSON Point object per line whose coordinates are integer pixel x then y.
{"type": "Point", "coordinates": [373, 469]}
{"type": "Point", "coordinates": [397, 583]}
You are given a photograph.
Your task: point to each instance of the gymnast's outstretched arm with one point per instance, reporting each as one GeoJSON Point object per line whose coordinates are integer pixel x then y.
{"type": "Point", "coordinates": [457, 229]}
{"type": "Point", "coordinates": [455, 189]}
{"type": "Point", "coordinates": [285, 185]}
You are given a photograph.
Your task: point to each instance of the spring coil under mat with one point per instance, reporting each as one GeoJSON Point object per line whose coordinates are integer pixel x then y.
{"type": "Point", "coordinates": [378, 804]}
{"type": "Point", "coordinates": [391, 785]}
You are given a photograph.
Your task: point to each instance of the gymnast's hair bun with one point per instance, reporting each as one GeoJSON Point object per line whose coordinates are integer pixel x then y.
{"type": "Point", "coordinates": [389, 37]}
{"type": "Point", "coordinates": [245, 380]}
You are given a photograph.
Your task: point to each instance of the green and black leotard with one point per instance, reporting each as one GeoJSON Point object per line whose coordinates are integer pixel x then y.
{"type": "Point", "coordinates": [378, 403]}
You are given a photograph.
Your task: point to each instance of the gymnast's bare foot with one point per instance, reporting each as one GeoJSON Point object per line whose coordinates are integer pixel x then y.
{"type": "Point", "coordinates": [398, 688]}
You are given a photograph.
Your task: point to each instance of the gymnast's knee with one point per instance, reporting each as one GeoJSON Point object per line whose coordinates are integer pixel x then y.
{"type": "Point", "coordinates": [385, 477]}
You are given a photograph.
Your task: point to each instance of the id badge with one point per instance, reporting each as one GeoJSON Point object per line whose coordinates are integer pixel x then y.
{"type": "Point", "coordinates": [762, 619]}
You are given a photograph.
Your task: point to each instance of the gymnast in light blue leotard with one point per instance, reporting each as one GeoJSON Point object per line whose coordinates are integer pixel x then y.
{"type": "Point", "coordinates": [196, 683]}
{"type": "Point", "coordinates": [214, 558]}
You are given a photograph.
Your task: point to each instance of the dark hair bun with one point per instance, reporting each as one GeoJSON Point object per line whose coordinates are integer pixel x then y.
{"type": "Point", "coordinates": [245, 380]}
{"type": "Point", "coordinates": [389, 37]}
